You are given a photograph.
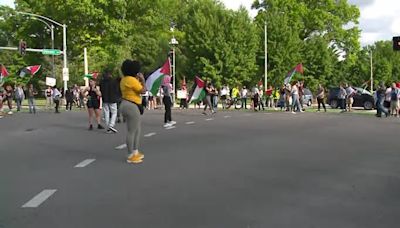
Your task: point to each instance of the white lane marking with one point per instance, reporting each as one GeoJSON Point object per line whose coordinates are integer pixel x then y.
{"type": "Point", "coordinates": [121, 147]}
{"type": "Point", "coordinates": [84, 163]}
{"type": "Point", "coordinates": [39, 198]}
{"type": "Point", "coordinates": [227, 117]}
{"type": "Point", "coordinates": [150, 134]}
{"type": "Point", "coordinates": [190, 122]}
{"type": "Point", "coordinates": [209, 119]}
{"type": "Point", "coordinates": [169, 128]}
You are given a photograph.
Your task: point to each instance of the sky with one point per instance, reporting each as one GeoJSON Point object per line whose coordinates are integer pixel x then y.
{"type": "Point", "coordinates": [380, 19]}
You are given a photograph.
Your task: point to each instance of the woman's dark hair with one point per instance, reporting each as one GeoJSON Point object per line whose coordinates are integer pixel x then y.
{"type": "Point", "coordinates": [130, 68]}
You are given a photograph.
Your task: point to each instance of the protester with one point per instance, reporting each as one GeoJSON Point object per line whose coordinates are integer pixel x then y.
{"type": "Point", "coordinates": [56, 98]}
{"type": "Point", "coordinates": [19, 96]}
{"type": "Point", "coordinates": [166, 88]}
{"type": "Point", "coordinates": [9, 95]}
{"type": "Point", "coordinates": [295, 98]}
{"type": "Point", "coordinates": [224, 96]}
{"type": "Point", "coordinates": [394, 100]}
{"type": "Point", "coordinates": [256, 98]}
{"type": "Point", "coordinates": [93, 104]}
{"type": "Point", "coordinates": [207, 100]}
{"type": "Point", "coordinates": [31, 93]}
{"type": "Point", "coordinates": [321, 97]}
{"type": "Point", "coordinates": [342, 97]}
{"type": "Point", "coordinates": [69, 98]}
{"type": "Point", "coordinates": [282, 97]}
{"type": "Point", "coordinates": [132, 85]}
{"type": "Point", "coordinates": [49, 97]}
{"type": "Point", "coordinates": [152, 101]}
{"type": "Point", "coordinates": [243, 96]}
{"type": "Point", "coordinates": [109, 94]}
{"type": "Point", "coordinates": [380, 95]}
{"type": "Point", "coordinates": [261, 99]}
{"type": "Point", "coordinates": [301, 95]}
{"type": "Point", "coordinates": [269, 99]}
{"type": "Point", "coordinates": [288, 96]}
{"type": "Point", "coordinates": [350, 93]}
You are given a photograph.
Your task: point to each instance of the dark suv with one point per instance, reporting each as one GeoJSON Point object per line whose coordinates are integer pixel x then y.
{"type": "Point", "coordinates": [363, 98]}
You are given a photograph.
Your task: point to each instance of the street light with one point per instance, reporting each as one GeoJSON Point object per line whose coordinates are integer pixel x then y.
{"type": "Point", "coordinates": [64, 26]}
{"type": "Point", "coordinates": [266, 55]}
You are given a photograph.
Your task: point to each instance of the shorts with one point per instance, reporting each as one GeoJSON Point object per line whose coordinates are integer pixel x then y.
{"type": "Point", "coordinates": [95, 104]}
{"type": "Point", "coordinates": [151, 98]}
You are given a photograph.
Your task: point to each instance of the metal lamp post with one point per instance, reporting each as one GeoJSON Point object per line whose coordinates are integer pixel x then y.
{"type": "Point", "coordinates": [372, 72]}
{"type": "Point", "coordinates": [266, 56]}
{"type": "Point", "coordinates": [173, 43]}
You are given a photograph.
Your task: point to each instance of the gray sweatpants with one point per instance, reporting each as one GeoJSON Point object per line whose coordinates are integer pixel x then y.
{"type": "Point", "coordinates": [131, 114]}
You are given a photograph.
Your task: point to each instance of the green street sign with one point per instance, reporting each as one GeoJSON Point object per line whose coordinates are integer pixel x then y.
{"type": "Point", "coordinates": [51, 52]}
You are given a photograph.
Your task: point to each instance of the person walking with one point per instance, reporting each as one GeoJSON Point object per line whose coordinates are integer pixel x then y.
{"type": "Point", "coordinates": [109, 94]}
{"type": "Point", "coordinates": [56, 98]}
{"type": "Point", "coordinates": [49, 97]}
{"type": "Point", "coordinates": [9, 95]}
{"type": "Point", "coordinates": [380, 96]}
{"type": "Point", "coordinates": [321, 97]}
{"type": "Point", "coordinates": [31, 93]}
{"type": "Point", "coordinates": [394, 100]}
{"type": "Point", "coordinates": [207, 100]}
{"type": "Point", "coordinates": [243, 96]}
{"type": "Point", "coordinates": [288, 96]}
{"type": "Point", "coordinates": [261, 99]}
{"type": "Point", "coordinates": [93, 104]}
{"type": "Point", "coordinates": [132, 85]}
{"type": "Point", "coordinates": [256, 98]}
{"type": "Point", "coordinates": [69, 98]}
{"type": "Point", "coordinates": [19, 96]}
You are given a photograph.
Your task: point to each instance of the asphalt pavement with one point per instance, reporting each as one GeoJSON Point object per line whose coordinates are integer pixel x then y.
{"type": "Point", "coordinates": [232, 169]}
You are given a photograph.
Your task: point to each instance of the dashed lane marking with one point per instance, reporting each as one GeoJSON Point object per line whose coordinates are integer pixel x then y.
{"type": "Point", "coordinates": [39, 198]}
{"type": "Point", "coordinates": [85, 163]}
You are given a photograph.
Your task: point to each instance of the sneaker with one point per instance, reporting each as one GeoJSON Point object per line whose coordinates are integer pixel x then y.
{"type": "Point", "coordinates": [90, 127]}
{"type": "Point", "coordinates": [293, 112]}
{"type": "Point", "coordinates": [167, 125]}
{"type": "Point", "coordinates": [109, 131]}
{"type": "Point", "coordinates": [113, 129]}
{"type": "Point", "coordinates": [100, 127]}
{"type": "Point", "coordinates": [134, 159]}
{"type": "Point", "coordinates": [10, 113]}
{"type": "Point", "coordinates": [204, 113]}
{"type": "Point", "coordinates": [172, 122]}
{"type": "Point", "coordinates": [138, 155]}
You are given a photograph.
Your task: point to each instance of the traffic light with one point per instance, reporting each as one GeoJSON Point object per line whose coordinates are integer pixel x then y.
{"type": "Point", "coordinates": [22, 47]}
{"type": "Point", "coordinates": [396, 43]}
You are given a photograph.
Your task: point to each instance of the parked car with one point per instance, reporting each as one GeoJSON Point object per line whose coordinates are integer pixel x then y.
{"type": "Point", "coordinates": [308, 97]}
{"type": "Point", "coordinates": [363, 98]}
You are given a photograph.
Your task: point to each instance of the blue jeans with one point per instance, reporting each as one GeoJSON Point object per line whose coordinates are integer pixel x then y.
{"type": "Point", "coordinates": [380, 108]}
{"type": "Point", "coordinates": [295, 103]}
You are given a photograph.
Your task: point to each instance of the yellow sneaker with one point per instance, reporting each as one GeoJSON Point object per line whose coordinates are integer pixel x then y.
{"type": "Point", "coordinates": [135, 159]}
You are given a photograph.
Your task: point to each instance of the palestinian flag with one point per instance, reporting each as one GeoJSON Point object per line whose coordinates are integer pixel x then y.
{"type": "Point", "coordinates": [298, 69]}
{"type": "Point", "coordinates": [3, 71]}
{"type": "Point", "coordinates": [198, 93]}
{"type": "Point", "coordinates": [31, 70]}
{"type": "Point", "coordinates": [154, 81]}
{"type": "Point", "coordinates": [92, 76]}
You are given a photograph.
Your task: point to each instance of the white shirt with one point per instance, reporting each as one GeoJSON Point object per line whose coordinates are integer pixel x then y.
{"type": "Point", "coordinates": [244, 93]}
{"type": "Point", "coordinates": [56, 93]}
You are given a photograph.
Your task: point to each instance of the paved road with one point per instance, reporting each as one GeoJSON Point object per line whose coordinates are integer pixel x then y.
{"type": "Point", "coordinates": [244, 170]}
